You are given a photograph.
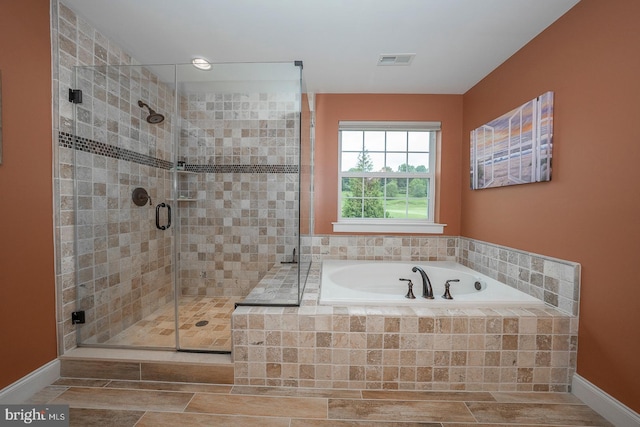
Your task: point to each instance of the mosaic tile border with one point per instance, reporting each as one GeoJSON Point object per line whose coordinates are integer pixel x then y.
{"type": "Point", "coordinates": [242, 168]}
{"type": "Point", "coordinates": [68, 140]}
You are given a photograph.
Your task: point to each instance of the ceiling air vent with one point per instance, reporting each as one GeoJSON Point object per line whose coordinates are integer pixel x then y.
{"type": "Point", "coordinates": [396, 59]}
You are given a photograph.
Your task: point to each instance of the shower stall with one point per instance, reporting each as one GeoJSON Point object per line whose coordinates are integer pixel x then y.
{"type": "Point", "coordinates": [187, 192]}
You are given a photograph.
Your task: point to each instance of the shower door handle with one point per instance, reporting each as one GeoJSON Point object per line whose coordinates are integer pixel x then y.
{"type": "Point", "coordinates": [163, 227]}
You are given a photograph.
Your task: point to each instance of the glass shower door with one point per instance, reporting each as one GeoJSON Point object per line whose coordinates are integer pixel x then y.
{"type": "Point", "coordinates": [237, 191]}
{"type": "Point", "coordinates": [186, 196]}
{"type": "Point", "coordinates": [121, 152]}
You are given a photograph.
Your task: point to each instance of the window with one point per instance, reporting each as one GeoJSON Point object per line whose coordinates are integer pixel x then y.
{"type": "Point", "coordinates": [387, 177]}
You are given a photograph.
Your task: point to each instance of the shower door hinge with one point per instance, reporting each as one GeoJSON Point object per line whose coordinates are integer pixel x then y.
{"type": "Point", "coordinates": [77, 317]}
{"type": "Point", "coordinates": [75, 96]}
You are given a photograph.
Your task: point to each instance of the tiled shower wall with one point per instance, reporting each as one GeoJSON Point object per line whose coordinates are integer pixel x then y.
{"type": "Point", "coordinates": [123, 261]}
{"type": "Point", "coordinates": [245, 216]}
{"type": "Point", "coordinates": [244, 150]}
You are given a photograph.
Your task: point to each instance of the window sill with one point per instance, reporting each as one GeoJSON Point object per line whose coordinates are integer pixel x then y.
{"type": "Point", "coordinates": [388, 227]}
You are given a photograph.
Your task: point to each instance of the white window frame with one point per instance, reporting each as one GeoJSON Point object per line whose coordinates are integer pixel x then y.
{"type": "Point", "coordinates": [390, 225]}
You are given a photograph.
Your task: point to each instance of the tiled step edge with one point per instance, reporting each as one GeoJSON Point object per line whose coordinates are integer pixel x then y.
{"type": "Point", "coordinates": [147, 371]}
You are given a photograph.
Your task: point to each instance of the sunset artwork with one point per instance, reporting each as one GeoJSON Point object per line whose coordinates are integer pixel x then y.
{"type": "Point", "coordinates": [515, 148]}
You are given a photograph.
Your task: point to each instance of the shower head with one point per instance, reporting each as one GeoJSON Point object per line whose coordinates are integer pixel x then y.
{"type": "Point", "coordinates": [153, 117]}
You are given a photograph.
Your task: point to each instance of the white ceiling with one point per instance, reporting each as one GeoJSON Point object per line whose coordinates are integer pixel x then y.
{"type": "Point", "coordinates": [456, 42]}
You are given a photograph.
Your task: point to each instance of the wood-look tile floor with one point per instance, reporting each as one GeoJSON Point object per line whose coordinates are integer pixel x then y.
{"type": "Point", "coordinates": [158, 329]}
{"type": "Point", "coordinates": [95, 402]}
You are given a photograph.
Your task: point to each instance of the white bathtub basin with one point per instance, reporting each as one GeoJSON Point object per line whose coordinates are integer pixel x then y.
{"type": "Point", "coordinates": [378, 283]}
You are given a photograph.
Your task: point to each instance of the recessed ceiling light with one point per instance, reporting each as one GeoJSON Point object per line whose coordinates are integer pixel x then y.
{"type": "Point", "coordinates": [396, 59]}
{"type": "Point", "coordinates": [201, 63]}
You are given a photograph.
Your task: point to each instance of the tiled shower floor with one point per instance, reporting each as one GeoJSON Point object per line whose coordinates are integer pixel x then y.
{"type": "Point", "coordinates": [157, 329]}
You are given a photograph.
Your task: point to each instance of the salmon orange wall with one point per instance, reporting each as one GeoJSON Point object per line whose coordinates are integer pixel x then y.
{"type": "Point", "coordinates": [27, 284]}
{"type": "Point", "coordinates": [331, 108]}
{"type": "Point", "coordinates": [590, 211]}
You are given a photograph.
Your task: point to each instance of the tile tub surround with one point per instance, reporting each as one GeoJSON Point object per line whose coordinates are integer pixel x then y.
{"type": "Point", "coordinates": [554, 281]}
{"type": "Point", "coordinates": [403, 348]}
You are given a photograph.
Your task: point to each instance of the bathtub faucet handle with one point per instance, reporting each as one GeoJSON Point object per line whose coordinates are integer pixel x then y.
{"type": "Point", "coordinates": [447, 294]}
{"type": "Point", "coordinates": [409, 294]}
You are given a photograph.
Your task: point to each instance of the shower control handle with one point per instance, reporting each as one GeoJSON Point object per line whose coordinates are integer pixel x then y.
{"type": "Point", "coordinates": [163, 227]}
{"type": "Point", "coordinates": [140, 197]}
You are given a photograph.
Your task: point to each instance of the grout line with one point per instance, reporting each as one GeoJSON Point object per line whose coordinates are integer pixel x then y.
{"type": "Point", "coordinates": [141, 417]}
{"type": "Point", "coordinates": [471, 412]}
{"type": "Point", "coordinates": [189, 402]}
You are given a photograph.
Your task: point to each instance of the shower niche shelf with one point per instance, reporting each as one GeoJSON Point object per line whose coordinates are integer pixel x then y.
{"type": "Point", "coordinates": [183, 172]}
{"type": "Point", "coordinates": [185, 192]}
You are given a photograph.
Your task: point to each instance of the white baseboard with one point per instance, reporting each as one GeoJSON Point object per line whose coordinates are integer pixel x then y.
{"type": "Point", "coordinates": [614, 411]}
{"type": "Point", "coordinates": [27, 386]}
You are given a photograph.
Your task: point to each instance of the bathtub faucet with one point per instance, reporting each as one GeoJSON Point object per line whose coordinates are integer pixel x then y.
{"type": "Point", "coordinates": [427, 290]}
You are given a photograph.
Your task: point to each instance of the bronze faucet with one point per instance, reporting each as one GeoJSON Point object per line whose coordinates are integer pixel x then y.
{"type": "Point", "coordinates": [427, 290]}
